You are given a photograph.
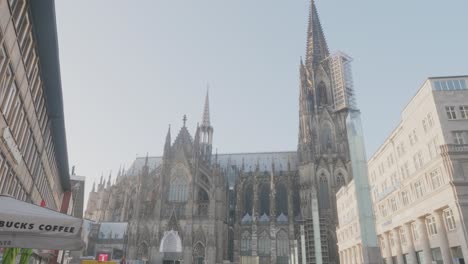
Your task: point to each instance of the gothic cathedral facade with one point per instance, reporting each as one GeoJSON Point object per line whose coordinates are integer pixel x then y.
{"type": "Point", "coordinates": [193, 206]}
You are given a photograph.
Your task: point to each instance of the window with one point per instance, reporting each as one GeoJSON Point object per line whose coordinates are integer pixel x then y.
{"type": "Point", "coordinates": [246, 243]}
{"type": "Point", "coordinates": [411, 139]}
{"type": "Point", "coordinates": [418, 189]}
{"type": "Point", "coordinates": [264, 247]}
{"type": "Point", "coordinates": [390, 160]}
{"type": "Point", "coordinates": [383, 210]}
{"type": "Point", "coordinates": [424, 125]}
{"type": "Point", "coordinates": [464, 111]}
{"type": "Point", "coordinates": [402, 236]}
{"type": "Point", "coordinates": [458, 138]}
{"type": "Point", "coordinates": [178, 189]}
{"type": "Point", "coordinates": [449, 219]}
{"type": "Point", "coordinates": [430, 120]}
{"type": "Point", "coordinates": [281, 200]}
{"type": "Point", "coordinates": [405, 198]}
{"type": "Point", "coordinates": [415, 136]}
{"type": "Point", "coordinates": [400, 149]}
{"type": "Point", "coordinates": [435, 178]}
{"type": "Point", "coordinates": [340, 181]}
{"type": "Point", "coordinates": [393, 204]}
{"type": "Point", "coordinates": [282, 244]}
{"type": "Point", "coordinates": [323, 192]}
{"type": "Point", "coordinates": [431, 225]}
{"type": "Point", "coordinates": [420, 159]}
{"type": "Point", "coordinates": [406, 167]}
{"type": "Point", "coordinates": [264, 199]}
{"type": "Point", "coordinates": [451, 112]}
{"type": "Point", "coordinates": [416, 162]}
{"type": "Point", "coordinates": [414, 231]}
{"type": "Point", "coordinates": [450, 85]}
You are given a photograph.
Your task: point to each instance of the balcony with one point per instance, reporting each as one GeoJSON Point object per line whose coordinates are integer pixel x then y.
{"type": "Point", "coordinates": [454, 148]}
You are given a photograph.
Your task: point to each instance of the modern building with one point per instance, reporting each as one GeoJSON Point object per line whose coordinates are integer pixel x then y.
{"type": "Point", "coordinates": [348, 230]}
{"type": "Point", "coordinates": [33, 158]}
{"type": "Point", "coordinates": [194, 206]}
{"type": "Point", "coordinates": [419, 181]}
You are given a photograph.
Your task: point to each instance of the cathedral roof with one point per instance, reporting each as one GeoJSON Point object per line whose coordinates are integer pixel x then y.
{"type": "Point", "coordinates": [229, 160]}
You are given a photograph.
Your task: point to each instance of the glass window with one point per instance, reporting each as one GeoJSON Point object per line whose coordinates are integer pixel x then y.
{"type": "Point", "coordinates": [464, 111]}
{"type": "Point", "coordinates": [458, 138]}
{"type": "Point", "coordinates": [444, 85]}
{"type": "Point", "coordinates": [436, 256]}
{"type": "Point", "coordinates": [451, 112]}
{"type": "Point", "coordinates": [405, 198]}
{"type": "Point", "coordinates": [435, 178]}
{"type": "Point", "coordinates": [246, 242]}
{"type": "Point", "coordinates": [178, 188]}
{"type": "Point", "coordinates": [418, 188]}
{"type": "Point", "coordinates": [282, 244]}
{"type": "Point", "coordinates": [463, 84]}
{"type": "Point", "coordinates": [264, 247]}
{"type": "Point", "coordinates": [449, 220]}
{"type": "Point", "coordinates": [450, 85]}
{"type": "Point", "coordinates": [431, 225]}
{"type": "Point", "coordinates": [438, 87]}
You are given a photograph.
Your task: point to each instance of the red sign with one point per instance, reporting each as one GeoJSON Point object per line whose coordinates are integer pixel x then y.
{"type": "Point", "coordinates": [103, 257]}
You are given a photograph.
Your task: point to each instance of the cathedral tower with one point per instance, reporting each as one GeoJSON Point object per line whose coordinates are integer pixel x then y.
{"type": "Point", "coordinates": [322, 148]}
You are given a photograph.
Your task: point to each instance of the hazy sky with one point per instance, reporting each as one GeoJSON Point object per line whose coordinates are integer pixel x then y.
{"type": "Point", "coordinates": [130, 68]}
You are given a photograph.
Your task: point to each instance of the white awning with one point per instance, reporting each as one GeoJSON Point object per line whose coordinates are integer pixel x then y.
{"type": "Point", "coordinates": [26, 225]}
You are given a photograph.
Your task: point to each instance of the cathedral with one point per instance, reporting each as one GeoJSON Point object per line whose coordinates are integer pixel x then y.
{"type": "Point", "coordinates": [191, 205]}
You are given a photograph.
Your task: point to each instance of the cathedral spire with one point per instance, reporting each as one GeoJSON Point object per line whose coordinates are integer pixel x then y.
{"type": "Point", "coordinates": [109, 180]}
{"type": "Point", "coordinates": [206, 110]}
{"type": "Point", "coordinates": [317, 49]}
{"type": "Point", "coordinates": [206, 132]}
{"type": "Point", "coordinates": [167, 145]}
{"type": "Point", "coordinates": [94, 187]}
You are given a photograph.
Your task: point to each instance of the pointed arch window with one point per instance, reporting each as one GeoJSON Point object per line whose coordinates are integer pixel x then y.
{"type": "Point", "coordinates": [340, 180]}
{"type": "Point", "coordinates": [326, 136]}
{"type": "Point", "coordinates": [178, 188]}
{"type": "Point", "coordinates": [246, 243]}
{"type": "Point", "coordinates": [264, 244]}
{"type": "Point", "coordinates": [248, 198]}
{"type": "Point", "coordinates": [324, 202]}
{"type": "Point", "coordinates": [203, 202]}
{"type": "Point", "coordinates": [322, 93]}
{"type": "Point", "coordinates": [199, 253]}
{"type": "Point", "coordinates": [282, 244]}
{"type": "Point", "coordinates": [281, 200]}
{"type": "Point", "coordinates": [264, 199]}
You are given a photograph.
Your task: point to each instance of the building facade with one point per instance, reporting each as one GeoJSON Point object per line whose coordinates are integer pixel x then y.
{"type": "Point", "coordinates": [418, 177]}
{"type": "Point", "coordinates": [33, 151]}
{"type": "Point", "coordinates": [418, 180]}
{"type": "Point", "coordinates": [348, 230]}
{"type": "Point", "coordinates": [248, 207]}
